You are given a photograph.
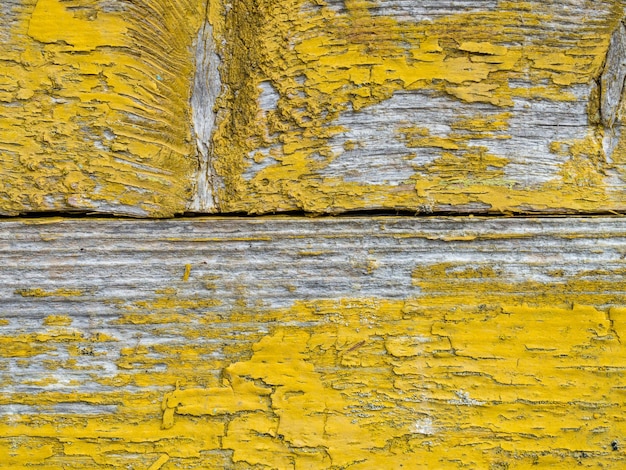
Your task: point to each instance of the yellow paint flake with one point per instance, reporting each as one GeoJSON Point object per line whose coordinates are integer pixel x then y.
{"type": "Point", "coordinates": [187, 272]}
{"type": "Point", "coordinates": [84, 30]}
{"type": "Point", "coordinates": [483, 48]}
{"type": "Point", "coordinates": [420, 137]}
{"type": "Point", "coordinates": [160, 462]}
{"type": "Point", "coordinates": [38, 292]}
{"type": "Point", "coordinates": [57, 320]}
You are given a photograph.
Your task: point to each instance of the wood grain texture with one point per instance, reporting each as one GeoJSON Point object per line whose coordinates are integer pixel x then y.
{"type": "Point", "coordinates": [313, 343]}
{"type": "Point", "coordinates": [464, 106]}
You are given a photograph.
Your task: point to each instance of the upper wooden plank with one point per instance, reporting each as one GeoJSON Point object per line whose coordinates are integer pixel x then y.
{"type": "Point", "coordinates": [156, 107]}
{"type": "Point", "coordinates": [94, 105]}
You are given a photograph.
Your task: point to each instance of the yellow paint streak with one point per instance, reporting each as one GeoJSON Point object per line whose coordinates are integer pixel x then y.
{"type": "Point", "coordinates": [159, 463]}
{"type": "Point", "coordinates": [57, 320]}
{"type": "Point", "coordinates": [51, 22]}
{"type": "Point", "coordinates": [38, 292]}
{"type": "Point", "coordinates": [187, 272]}
{"type": "Point", "coordinates": [94, 106]}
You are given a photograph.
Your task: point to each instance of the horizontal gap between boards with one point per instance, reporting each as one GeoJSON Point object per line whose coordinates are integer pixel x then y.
{"type": "Point", "coordinates": [304, 214]}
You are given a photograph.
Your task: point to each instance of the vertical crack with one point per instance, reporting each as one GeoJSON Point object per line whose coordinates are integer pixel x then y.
{"type": "Point", "coordinates": [206, 89]}
{"type": "Point", "coordinates": [612, 328]}
{"type": "Point", "coordinates": [611, 89]}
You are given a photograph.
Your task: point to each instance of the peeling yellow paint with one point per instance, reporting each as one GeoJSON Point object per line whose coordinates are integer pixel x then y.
{"type": "Point", "coordinates": [477, 370]}
{"type": "Point", "coordinates": [323, 63]}
{"type": "Point", "coordinates": [94, 106]}
{"type": "Point", "coordinates": [334, 393]}
{"type": "Point", "coordinates": [160, 462]}
{"type": "Point", "coordinates": [38, 292]}
{"type": "Point", "coordinates": [187, 272]}
{"type": "Point", "coordinates": [57, 320]}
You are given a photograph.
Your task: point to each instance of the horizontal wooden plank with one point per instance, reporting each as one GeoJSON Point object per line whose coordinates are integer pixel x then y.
{"type": "Point", "coordinates": [313, 343]}
{"type": "Point", "coordinates": [157, 107]}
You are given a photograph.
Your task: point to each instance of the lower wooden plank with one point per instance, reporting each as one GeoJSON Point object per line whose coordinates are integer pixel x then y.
{"type": "Point", "coordinates": [313, 343]}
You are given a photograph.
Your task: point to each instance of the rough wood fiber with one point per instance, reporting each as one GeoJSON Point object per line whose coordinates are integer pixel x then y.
{"type": "Point", "coordinates": [313, 343]}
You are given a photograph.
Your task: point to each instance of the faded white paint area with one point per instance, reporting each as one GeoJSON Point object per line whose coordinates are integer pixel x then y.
{"type": "Point", "coordinates": [268, 99]}
{"type": "Point", "coordinates": [381, 154]}
{"type": "Point", "coordinates": [376, 132]}
{"type": "Point", "coordinates": [412, 10]}
{"type": "Point", "coordinates": [533, 127]}
{"type": "Point", "coordinates": [464, 399]}
{"type": "Point", "coordinates": [423, 426]}
{"type": "Point", "coordinates": [261, 158]}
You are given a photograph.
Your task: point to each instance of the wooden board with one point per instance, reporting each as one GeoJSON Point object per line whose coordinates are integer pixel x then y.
{"type": "Point", "coordinates": [462, 106]}
{"type": "Point", "coordinates": [94, 105]}
{"type": "Point", "coordinates": [159, 107]}
{"type": "Point", "coordinates": [313, 343]}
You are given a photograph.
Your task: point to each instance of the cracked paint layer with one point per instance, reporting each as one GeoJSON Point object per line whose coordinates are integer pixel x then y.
{"type": "Point", "coordinates": [313, 343]}
{"type": "Point", "coordinates": [157, 107]}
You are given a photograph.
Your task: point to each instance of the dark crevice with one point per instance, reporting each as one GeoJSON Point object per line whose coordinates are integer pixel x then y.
{"type": "Point", "coordinates": [304, 214]}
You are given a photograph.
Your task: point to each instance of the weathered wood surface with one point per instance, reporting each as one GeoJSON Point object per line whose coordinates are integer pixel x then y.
{"type": "Point", "coordinates": [427, 106]}
{"type": "Point", "coordinates": [157, 107]}
{"type": "Point", "coordinates": [94, 105]}
{"type": "Point", "coordinates": [313, 343]}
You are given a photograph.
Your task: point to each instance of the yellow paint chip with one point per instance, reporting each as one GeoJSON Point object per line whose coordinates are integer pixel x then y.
{"type": "Point", "coordinates": [160, 462]}
{"type": "Point", "coordinates": [52, 21]}
{"type": "Point", "coordinates": [483, 48]}
{"type": "Point", "coordinates": [38, 292]}
{"type": "Point", "coordinates": [187, 272]}
{"type": "Point", "coordinates": [57, 320]}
